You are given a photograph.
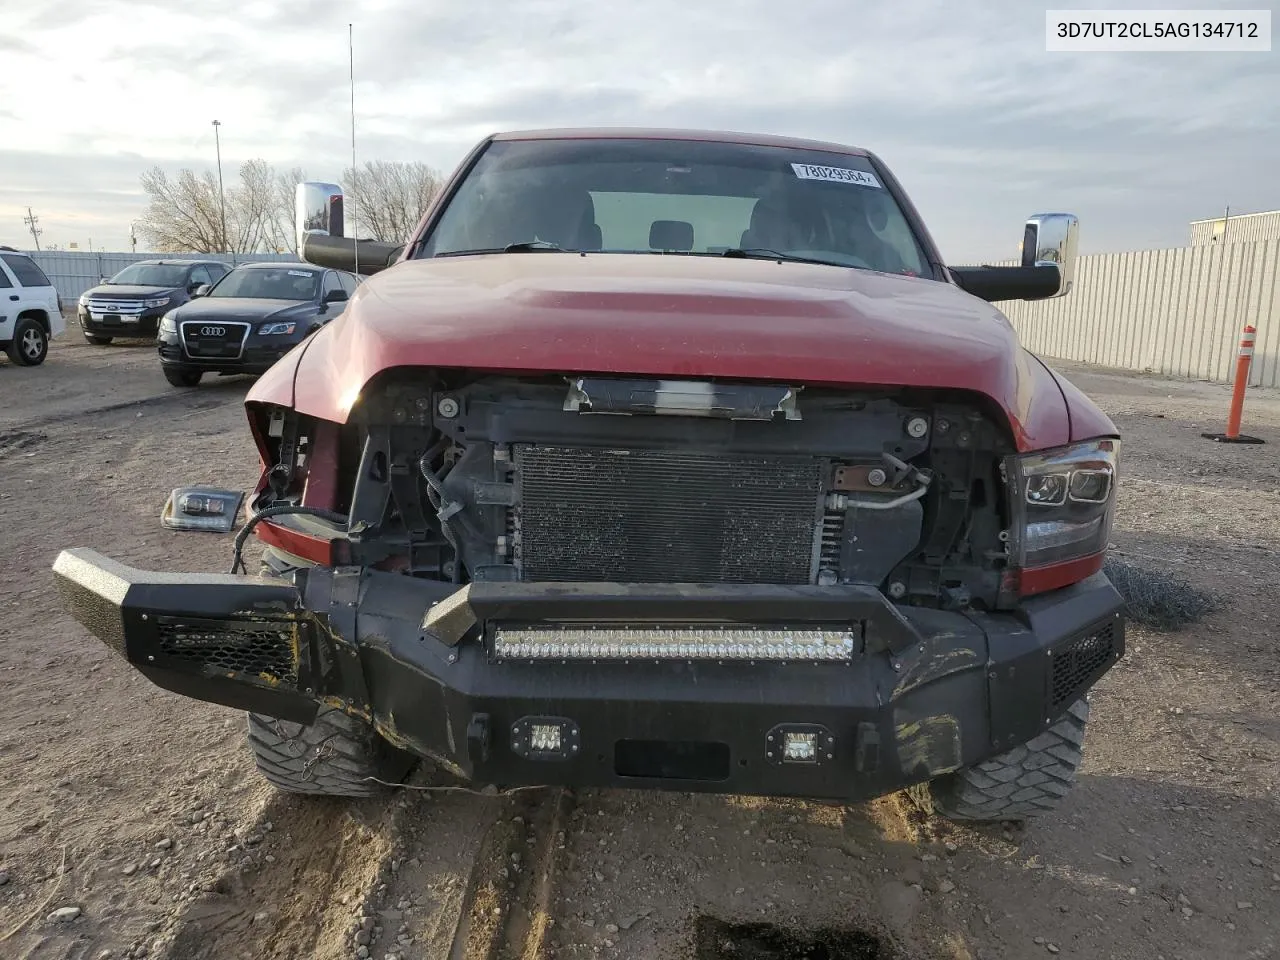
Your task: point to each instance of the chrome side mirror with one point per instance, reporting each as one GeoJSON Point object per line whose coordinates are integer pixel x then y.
{"type": "Point", "coordinates": [1049, 240]}
{"type": "Point", "coordinates": [317, 208]}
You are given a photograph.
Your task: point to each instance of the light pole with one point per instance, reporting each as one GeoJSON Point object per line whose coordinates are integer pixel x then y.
{"type": "Point", "coordinates": [133, 237]}
{"type": "Point", "coordinates": [222, 203]}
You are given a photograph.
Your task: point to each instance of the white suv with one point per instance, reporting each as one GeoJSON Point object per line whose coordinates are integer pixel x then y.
{"type": "Point", "coordinates": [30, 309]}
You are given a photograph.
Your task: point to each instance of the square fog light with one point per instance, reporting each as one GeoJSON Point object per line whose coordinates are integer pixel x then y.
{"type": "Point", "coordinates": [545, 738]}
{"type": "Point", "coordinates": [810, 744]}
{"type": "Point", "coordinates": [799, 747]}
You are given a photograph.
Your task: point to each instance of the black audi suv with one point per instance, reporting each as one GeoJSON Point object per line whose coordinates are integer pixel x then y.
{"type": "Point", "coordinates": [249, 319]}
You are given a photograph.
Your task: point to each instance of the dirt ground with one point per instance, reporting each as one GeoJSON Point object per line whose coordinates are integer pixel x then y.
{"type": "Point", "coordinates": [142, 810]}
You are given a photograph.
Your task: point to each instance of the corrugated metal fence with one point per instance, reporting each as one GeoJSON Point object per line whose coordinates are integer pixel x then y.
{"type": "Point", "coordinates": [1177, 312]}
{"type": "Point", "coordinates": [75, 271]}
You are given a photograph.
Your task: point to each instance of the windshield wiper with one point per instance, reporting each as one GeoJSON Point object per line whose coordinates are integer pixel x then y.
{"type": "Point", "coordinates": [532, 245]}
{"type": "Point", "coordinates": [764, 253]}
{"type": "Point", "coordinates": [525, 246]}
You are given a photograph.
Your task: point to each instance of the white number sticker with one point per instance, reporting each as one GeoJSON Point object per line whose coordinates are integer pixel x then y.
{"type": "Point", "coordinates": [809, 171]}
{"type": "Point", "coordinates": [299, 273]}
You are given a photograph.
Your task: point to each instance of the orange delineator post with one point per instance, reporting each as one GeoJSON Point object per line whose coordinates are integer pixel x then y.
{"type": "Point", "coordinates": [1244, 360]}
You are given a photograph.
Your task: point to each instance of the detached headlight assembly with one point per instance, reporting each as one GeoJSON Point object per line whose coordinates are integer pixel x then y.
{"type": "Point", "coordinates": [276, 329]}
{"type": "Point", "coordinates": [168, 325]}
{"type": "Point", "coordinates": [1063, 504]}
{"type": "Point", "coordinates": [158, 302]}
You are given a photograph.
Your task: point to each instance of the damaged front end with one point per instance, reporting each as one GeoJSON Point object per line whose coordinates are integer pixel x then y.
{"type": "Point", "coordinates": [746, 588]}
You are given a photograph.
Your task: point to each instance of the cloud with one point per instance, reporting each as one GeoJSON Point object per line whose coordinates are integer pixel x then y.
{"type": "Point", "coordinates": [980, 123]}
{"type": "Point", "coordinates": [16, 45]}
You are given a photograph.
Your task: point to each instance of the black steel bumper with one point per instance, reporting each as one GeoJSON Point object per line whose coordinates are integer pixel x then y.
{"type": "Point", "coordinates": [928, 692]}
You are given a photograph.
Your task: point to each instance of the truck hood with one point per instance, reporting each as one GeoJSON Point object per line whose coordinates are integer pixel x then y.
{"type": "Point", "coordinates": [671, 316]}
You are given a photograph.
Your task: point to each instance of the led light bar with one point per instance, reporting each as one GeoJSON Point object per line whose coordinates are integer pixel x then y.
{"type": "Point", "coordinates": [670, 643]}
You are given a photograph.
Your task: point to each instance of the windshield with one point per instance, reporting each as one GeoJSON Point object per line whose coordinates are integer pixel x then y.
{"type": "Point", "coordinates": [678, 197]}
{"type": "Point", "coordinates": [268, 284]}
{"type": "Point", "coordinates": [150, 275]}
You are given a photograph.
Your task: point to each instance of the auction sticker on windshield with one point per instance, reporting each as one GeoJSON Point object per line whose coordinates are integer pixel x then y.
{"type": "Point", "coordinates": [810, 171]}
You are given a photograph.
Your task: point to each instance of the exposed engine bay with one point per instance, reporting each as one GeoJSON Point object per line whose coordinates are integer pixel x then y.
{"type": "Point", "coordinates": [596, 479]}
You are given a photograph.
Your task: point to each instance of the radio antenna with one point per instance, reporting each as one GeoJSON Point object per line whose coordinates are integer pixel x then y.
{"type": "Point", "coordinates": [355, 175]}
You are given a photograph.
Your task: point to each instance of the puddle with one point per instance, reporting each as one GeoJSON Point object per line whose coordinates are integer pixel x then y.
{"type": "Point", "coordinates": [717, 940]}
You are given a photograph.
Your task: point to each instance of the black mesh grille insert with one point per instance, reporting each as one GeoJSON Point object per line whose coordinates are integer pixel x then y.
{"type": "Point", "coordinates": [651, 516]}
{"type": "Point", "coordinates": [248, 647]}
{"type": "Point", "coordinates": [1079, 663]}
{"type": "Point", "coordinates": [214, 339]}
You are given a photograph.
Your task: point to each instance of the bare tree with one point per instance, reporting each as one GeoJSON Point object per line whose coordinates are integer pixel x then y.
{"type": "Point", "coordinates": [252, 206]}
{"type": "Point", "coordinates": [389, 198]}
{"type": "Point", "coordinates": [386, 200]}
{"type": "Point", "coordinates": [281, 235]}
{"type": "Point", "coordinates": [182, 215]}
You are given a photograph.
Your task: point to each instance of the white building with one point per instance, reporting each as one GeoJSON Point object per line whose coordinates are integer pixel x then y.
{"type": "Point", "coordinates": [1236, 228]}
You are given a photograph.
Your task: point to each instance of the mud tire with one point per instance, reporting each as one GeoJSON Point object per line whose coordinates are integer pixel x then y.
{"type": "Point", "coordinates": [337, 755]}
{"type": "Point", "coordinates": [1019, 784]}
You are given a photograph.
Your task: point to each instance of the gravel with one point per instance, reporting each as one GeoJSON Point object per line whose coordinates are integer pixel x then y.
{"type": "Point", "coordinates": [64, 914]}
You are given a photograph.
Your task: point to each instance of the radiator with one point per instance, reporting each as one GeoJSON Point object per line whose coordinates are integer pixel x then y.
{"type": "Point", "coordinates": [654, 516]}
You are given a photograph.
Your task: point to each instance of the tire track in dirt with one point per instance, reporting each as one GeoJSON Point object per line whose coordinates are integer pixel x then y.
{"type": "Point", "coordinates": [285, 906]}
{"type": "Point", "coordinates": [509, 903]}
{"type": "Point", "coordinates": [180, 401]}
{"type": "Point", "coordinates": [455, 874]}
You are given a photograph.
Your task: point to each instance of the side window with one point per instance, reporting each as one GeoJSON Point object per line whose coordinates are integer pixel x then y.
{"type": "Point", "coordinates": [330, 283]}
{"type": "Point", "coordinates": [200, 275]}
{"type": "Point", "coordinates": [5, 282]}
{"type": "Point", "coordinates": [348, 283]}
{"type": "Point", "coordinates": [25, 269]}
{"type": "Point", "coordinates": [218, 270]}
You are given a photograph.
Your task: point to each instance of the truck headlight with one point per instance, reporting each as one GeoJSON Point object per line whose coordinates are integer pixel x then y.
{"type": "Point", "coordinates": [84, 300]}
{"type": "Point", "coordinates": [168, 325]}
{"type": "Point", "coordinates": [274, 329]}
{"type": "Point", "coordinates": [1062, 505]}
{"type": "Point", "coordinates": [157, 302]}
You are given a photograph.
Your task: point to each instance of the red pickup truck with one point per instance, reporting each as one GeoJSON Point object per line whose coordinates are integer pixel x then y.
{"type": "Point", "coordinates": [659, 459]}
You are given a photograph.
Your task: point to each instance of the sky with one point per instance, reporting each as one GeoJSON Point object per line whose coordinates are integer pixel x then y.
{"type": "Point", "coordinates": [981, 125]}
